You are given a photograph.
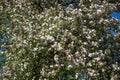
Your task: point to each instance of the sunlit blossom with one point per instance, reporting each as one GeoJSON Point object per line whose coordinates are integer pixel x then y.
{"type": "Point", "coordinates": [57, 40]}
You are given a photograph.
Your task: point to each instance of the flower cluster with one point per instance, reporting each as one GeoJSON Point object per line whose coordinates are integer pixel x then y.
{"type": "Point", "coordinates": [58, 42]}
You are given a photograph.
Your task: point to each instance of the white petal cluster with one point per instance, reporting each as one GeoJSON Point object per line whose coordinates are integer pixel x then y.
{"type": "Point", "coordinates": [58, 41]}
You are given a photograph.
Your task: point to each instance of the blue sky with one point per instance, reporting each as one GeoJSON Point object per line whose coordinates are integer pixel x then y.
{"type": "Point", "coordinates": [116, 15]}
{"type": "Point", "coordinates": [1, 39]}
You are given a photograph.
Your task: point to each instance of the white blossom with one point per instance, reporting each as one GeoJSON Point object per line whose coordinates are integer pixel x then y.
{"type": "Point", "coordinates": [56, 58]}
{"type": "Point", "coordinates": [76, 75]}
{"type": "Point", "coordinates": [69, 66]}
{"type": "Point", "coordinates": [99, 11]}
{"type": "Point", "coordinates": [35, 49]}
{"type": "Point", "coordinates": [48, 37]}
{"type": "Point", "coordinates": [59, 47]}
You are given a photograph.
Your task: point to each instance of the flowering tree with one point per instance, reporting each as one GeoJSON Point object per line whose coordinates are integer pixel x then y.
{"type": "Point", "coordinates": [58, 43]}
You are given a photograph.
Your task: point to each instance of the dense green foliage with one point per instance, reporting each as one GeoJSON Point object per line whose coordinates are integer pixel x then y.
{"type": "Point", "coordinates": [56, 43]}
